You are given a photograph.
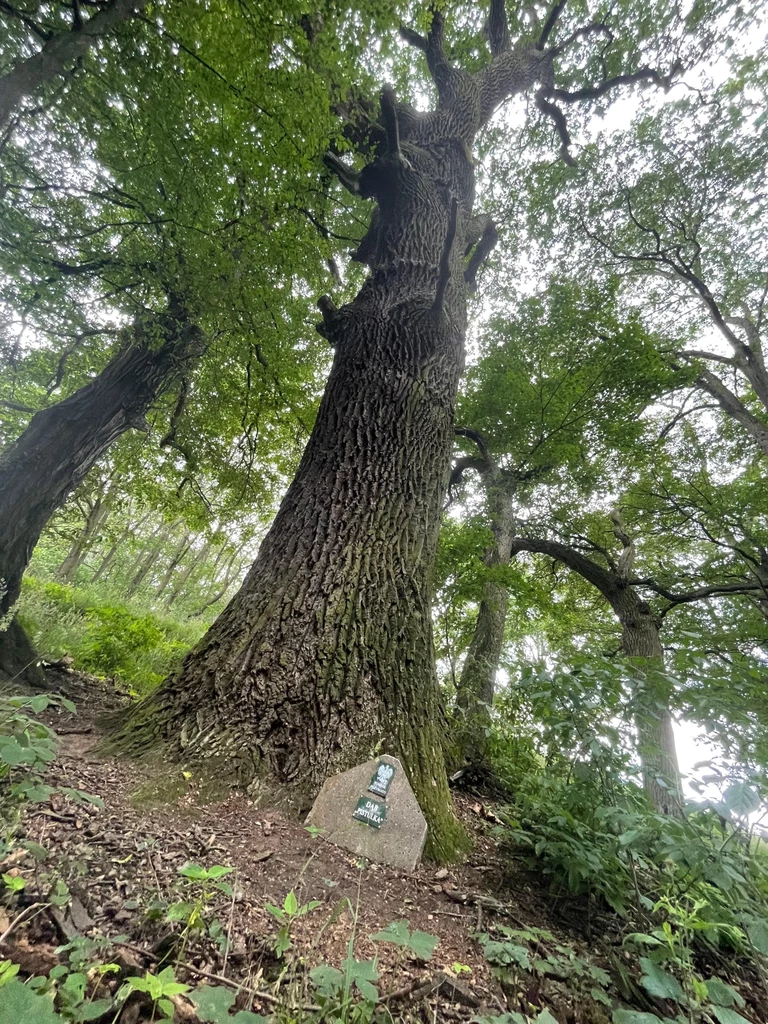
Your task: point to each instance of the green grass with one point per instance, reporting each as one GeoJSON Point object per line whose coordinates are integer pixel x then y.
{"type": "Point", "coordinates": [103, 637]}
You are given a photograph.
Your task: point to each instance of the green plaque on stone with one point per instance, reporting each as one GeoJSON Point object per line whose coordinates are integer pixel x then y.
{"type": "Point", "coordinates": [372, 812]}
{"type": "Point", "coordinates": [382, 779]}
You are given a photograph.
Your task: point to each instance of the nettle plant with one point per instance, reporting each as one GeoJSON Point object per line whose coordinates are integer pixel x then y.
{"type": "Point", "coordinates": [194, 913]}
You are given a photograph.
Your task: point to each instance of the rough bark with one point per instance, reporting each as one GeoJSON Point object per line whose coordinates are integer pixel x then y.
{"type": "Point", "coordinates": [326, 651]}
{"type": "Point", "coordinates": [641, 643]}
{"type": "Point", "coordinates": [59, 53]}
{"type": "Point", "coordinates": [62, 443]}
{"type": "Point", "coordinates": [478, 676]}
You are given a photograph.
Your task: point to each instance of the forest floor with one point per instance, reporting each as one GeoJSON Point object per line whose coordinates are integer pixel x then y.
{"type": "Point", "coordinates": [121, 865]}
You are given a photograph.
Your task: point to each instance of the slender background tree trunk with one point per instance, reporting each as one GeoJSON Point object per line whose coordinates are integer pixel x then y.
{"type": "Point", "coordinates": [481, 665]}
{"type": "Point", "coordinates": [62, 443]}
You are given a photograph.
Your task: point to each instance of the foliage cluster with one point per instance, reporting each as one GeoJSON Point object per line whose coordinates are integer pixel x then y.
{"type": "Point", "coordinates": [111, 640]}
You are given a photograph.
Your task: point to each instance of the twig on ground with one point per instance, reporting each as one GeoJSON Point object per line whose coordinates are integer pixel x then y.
{"type": "Point", "coordinates": [19, 918]}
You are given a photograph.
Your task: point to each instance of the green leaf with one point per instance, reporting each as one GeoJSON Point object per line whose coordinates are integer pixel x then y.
{"type": "Point", "coordinates": [741, 799]}
{"type": "Point", "coordinates": [657, 982]}
{"type": "Point", "coordinates": [8, 971]}
{"type": "Point", "coordinates": [93, 1010]}
{"type": "Point", "coordinates": [19, 1003]}
{"type": "Point", "coordinates": [545, 1017]}
{"type": "Point", "coordinates": [721, 994]}
{"type": "Point", "coordinates": [362, 973]}
{"type": "Point", "coordinates": [212, 1003]}
{"type": "Point", "coordinates": [218, 871]}
{"type": "Point", "coordinates": [195, 872]}
{"type": "Point", "coordinates": [423, 944]}
{"type": "Point", "coordinates": [726, 1016]}
{"type": "Point", "coordinates": [634, 1017]}
{"type": "Point", "coordinates": [327, 980]}
{"type": "Point", "coordinates": [758, 936]}
{"type": "Point", "coordinates": [397, 932]}
{"type": "Point", "coordinates": [13, 754]}
{"type": "Point", "coordinates": [248, 1017]}
{"type": "Point", "coordinates": [291, 904]}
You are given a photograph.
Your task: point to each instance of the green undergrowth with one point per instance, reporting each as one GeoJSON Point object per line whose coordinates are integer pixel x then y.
{"type": "Point", "coordinates": [103, 636]}
{"type": "Point", "coordinates": [686, 900]}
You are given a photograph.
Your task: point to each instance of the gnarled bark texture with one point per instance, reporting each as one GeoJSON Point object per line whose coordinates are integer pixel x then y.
{"type": "Point", "coordinates": [62, 443]}
{"type": "Point", "coordinates": [326, 652]}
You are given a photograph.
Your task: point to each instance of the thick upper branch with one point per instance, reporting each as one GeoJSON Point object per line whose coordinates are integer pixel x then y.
{"type": "Point", "coordinates": [59, 53]}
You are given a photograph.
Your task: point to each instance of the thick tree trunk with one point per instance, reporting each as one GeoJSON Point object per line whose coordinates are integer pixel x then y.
{"type": "Point", "coordinates": [59, 53]}
{"type": "Point", "coordinates": [478, 676]}
{"type": "Point", "coordinates": [62, 443]}
{"type": "Point", "coordinates": [326, 651]}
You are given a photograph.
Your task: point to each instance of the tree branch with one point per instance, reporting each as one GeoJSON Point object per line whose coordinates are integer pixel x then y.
{"type": "Point", "coordinates": [477, 437]}
{"type": "Point", "coordinates": [348, 177]}
{"type": "Point", "coordinates": [600, 578]}
{"type": "Point", "coordinates": [483, 249]}
{"type": "Point", "coordinates": [549, 24]}
{"type": "Point", "coordinates": [554, 112]}
{"type": "Point", "coordinates": [59, 52]}
{"type": "Point", "coordinates": [593, 92]}
{"type": "Point", "coordinates": [498, 28]}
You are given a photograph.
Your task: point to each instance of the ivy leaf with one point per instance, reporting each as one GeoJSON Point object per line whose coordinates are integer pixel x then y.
{"type": "Point", "coordinates": [658, 982]}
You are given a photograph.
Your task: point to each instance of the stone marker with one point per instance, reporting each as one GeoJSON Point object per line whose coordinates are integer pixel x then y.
{"type": "Point", "coordinates": [387, 827]}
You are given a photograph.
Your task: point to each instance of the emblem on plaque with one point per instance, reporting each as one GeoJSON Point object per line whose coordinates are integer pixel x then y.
{"type": "Point", "coordinates": [372, 812]}
{"type": "Point", "coordinates": [382, 779]}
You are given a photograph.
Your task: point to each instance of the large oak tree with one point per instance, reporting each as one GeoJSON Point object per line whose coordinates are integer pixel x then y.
{"type": "Point", "coordinates": [326, 651]}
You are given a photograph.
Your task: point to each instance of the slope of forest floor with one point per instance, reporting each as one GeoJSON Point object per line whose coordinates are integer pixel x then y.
{"type": "Point", "coordinates": [121, 869]}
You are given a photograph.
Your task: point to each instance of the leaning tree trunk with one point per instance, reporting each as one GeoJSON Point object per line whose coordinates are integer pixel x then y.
{"type": "Point", "coordinates": [641, 643]}
{"type": "Point", "coordinates": [326, 651]}
{"type": "Point", "coordinates": [481, 665]}
{"type": "Point", "coordinates": [62, 443]}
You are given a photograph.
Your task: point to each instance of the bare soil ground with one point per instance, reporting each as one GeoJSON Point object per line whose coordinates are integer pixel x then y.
{"type": "Point", "coordinates": [121, 864]}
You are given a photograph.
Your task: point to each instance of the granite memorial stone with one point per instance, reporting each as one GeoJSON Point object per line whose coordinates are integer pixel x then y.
{"type": "Point", "coordinates": [371, 811]}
